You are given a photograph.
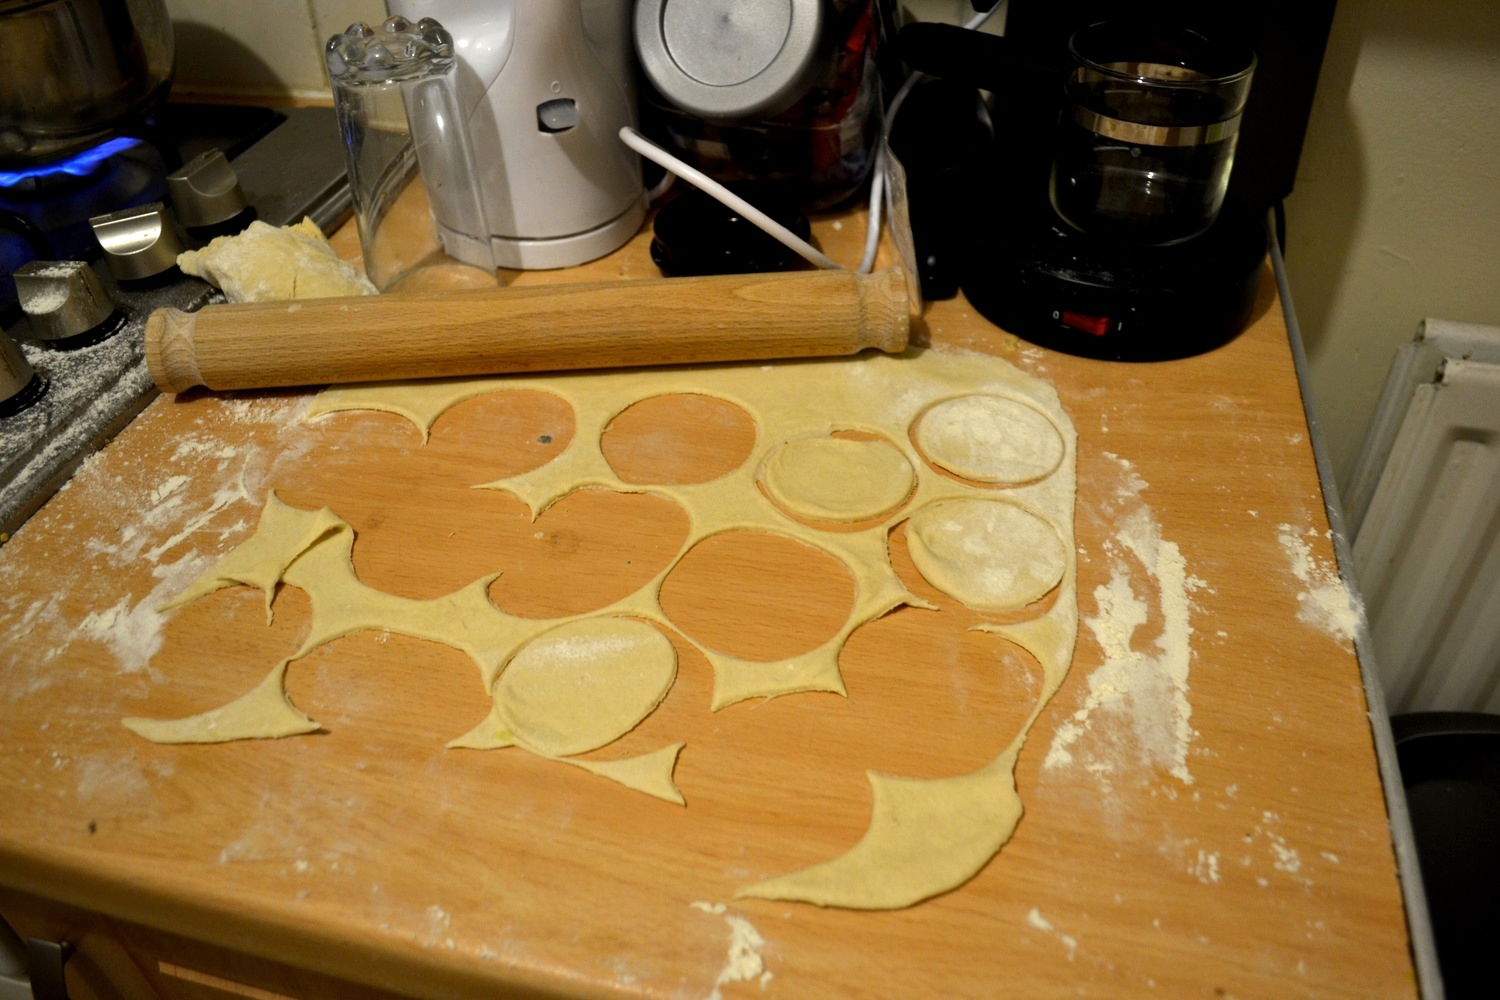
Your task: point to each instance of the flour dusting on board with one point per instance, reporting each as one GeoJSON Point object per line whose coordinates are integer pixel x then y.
{"type": "Point", "coordinates": [1041, 923]}
{"type": "Point", "coordinates": [1324, 602]}
{"type": "Point", "coordinates": [152, 514]}
{"type": "Point", "coordinates": [132, 631]}
{"type": "Point", "coordinates": [744, 961]}
{"type": "Point", "coordinates": [1137, 706]}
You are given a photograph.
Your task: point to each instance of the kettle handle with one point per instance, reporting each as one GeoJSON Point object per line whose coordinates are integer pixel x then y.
{"type": "Point", "coordinates": [977, 58]}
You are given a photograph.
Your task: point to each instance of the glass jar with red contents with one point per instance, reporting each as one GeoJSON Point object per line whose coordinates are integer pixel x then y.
{"type": "Point", "coordinates": [782, 93]}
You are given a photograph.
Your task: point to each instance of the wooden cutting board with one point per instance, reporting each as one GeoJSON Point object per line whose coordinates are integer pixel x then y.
{"type": "Point", "coordinates": [372, 854]}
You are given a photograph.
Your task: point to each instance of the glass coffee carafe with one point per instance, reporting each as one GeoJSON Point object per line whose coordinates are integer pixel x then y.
{"type": "Point", "coordinates": [1148, 129]}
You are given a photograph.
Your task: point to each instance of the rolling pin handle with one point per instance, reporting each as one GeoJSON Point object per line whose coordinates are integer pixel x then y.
{"type": "Point", "coordinates": [171, 356]}
{"type": "Point", "coordinates": [885, 310]}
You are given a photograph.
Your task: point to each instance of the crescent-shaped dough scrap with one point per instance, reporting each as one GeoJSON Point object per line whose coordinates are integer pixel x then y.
{"type": "Point", "coordinates": [925, 837]}
{"type": "Point", "coordinates": [650, 773]}
{"type": "Point", "coordinates": [264, 712]}
{"type": "Point", "coordinates": [283, 534]}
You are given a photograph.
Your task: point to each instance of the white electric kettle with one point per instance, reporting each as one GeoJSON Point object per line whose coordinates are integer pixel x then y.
{"type": "Point", "coordinates": [548, 85]}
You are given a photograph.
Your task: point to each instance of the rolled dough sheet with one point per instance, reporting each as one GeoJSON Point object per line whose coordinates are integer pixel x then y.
{"type": "Point", "coordinates": [925, 836]}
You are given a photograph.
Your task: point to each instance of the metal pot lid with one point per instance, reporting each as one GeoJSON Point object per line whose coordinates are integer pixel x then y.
{"type": "Point", "coordinates": [728, 58]}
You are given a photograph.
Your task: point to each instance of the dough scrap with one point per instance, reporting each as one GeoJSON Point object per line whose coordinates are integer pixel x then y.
{"type": "Point", "coordinates": [838, 479]}
{"type": "Point", "coordinates": [265, 712]}
{"type": "Point", "coordinates": [282, 535]}
{"type": "Point", "coordinates": [993, 555]}
{"type": "Point", "coordinates": [650, 773]}
{"type": "Point", "coordinates": [926, 836]}
{"type": "Point", "coordinates": [923, 833]}
{"type": "Point", "coordinates": [269, 264]}
{"type": "Point", "coordinates": [584, 685]}
{"type": "Point", "coordinates": [990, 439]}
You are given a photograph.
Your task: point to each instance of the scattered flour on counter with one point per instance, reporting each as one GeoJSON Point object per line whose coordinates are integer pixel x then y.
{"type": "Point", "coordinates": [1325, 603]}
{"type": "Point", "coordinates": [132, 632]}
{"type": "Point", "coordinates": [1041, 923]}
{"type": "Point", "coordinates": [744, 961]}
{"type": "Point", "coordinates": [438, 926]}
{"type": "Point", "coordinates": [234, 493]}
{"type": "Point", "coordinates": [1287, 858]}
{"type": "Point", "coordinates": [1206, 868]}
{"type": "Point", "coordinates": [1143, 694]}
{"type": "Point", "coordinates": [1284, 857]}
{"type": "Point", "coordinates": [166, 488]}
{"type": "Point", "coordinates": [108, 780]}
{"type": "Point", "coordinates": [145, 514]}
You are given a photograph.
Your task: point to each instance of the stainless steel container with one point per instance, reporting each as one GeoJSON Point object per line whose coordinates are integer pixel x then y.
{"type": "Point", "coordinates": [75, 72]}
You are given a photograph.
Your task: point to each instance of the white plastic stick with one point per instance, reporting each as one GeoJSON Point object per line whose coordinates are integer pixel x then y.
{"type": "Point", "coordinates": [698, 179]}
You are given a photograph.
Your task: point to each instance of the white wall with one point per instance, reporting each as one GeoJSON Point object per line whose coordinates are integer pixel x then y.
{"type": "Point", "coordinates": [1396, 212]}
{"type": "Point", "coordinates": [260, 48]}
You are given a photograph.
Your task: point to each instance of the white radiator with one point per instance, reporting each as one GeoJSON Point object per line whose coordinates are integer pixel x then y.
{"type": "Point", "coordinates": [1424, 512]}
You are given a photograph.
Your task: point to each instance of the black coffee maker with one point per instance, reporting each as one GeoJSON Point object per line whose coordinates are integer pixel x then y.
{"type": "Point", "coordinates": [1020, 264]}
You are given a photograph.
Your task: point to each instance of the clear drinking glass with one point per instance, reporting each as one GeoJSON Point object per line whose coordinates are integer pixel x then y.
{"type": "Point", "coordinates": [1149, 125]}
{"type": "Point", "coordinates": [411, 166]}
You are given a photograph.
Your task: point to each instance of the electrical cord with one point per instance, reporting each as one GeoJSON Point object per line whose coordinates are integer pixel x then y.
{"type": "Point", "coordinates": [676, 167]}
{"type": "Point", "coordinates": [877, 183]}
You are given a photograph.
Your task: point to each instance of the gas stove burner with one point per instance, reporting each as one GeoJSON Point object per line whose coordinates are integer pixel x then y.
{"type": "Point", "coordinates": [61, 203]}
{"type": "Point", "coordinates": [49, 179]}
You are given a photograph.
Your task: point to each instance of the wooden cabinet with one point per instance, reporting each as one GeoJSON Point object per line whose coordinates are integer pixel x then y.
{"type": "Point", "coordinates": [117, 960]}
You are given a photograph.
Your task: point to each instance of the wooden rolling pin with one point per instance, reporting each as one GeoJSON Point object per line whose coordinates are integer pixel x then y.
{"type": "Point", "coordinates": [537, 328]}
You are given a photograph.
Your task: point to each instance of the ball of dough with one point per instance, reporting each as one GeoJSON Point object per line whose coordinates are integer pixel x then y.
{"type": "Point", "coordinates": [272, 264]}
{"type": "Point", "coordinates": [585, 684]}
{"type": "Point", "coordinates": [990, 439]}
{"type": "Point", "coordinates": [838, 479]}
{"type": "Point", "coordinates": [993, 555]}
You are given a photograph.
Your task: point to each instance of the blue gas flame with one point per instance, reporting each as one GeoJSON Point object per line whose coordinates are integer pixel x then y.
{"type": "Point", "coordinates": [79, 165]}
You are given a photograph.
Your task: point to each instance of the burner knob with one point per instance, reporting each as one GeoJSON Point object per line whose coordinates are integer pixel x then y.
{"type": "Point", "coordinates": [63, 298]}
{"type": "Point", "coordinates": [20, 385]}
{"type": "Point", "coordinates": [138, 242]}
{"type": "Point", "coordinates": [206, 192]}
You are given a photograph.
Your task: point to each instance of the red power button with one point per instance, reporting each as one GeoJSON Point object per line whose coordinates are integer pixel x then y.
{"type": "Point", "coordinates": [1096, 325]}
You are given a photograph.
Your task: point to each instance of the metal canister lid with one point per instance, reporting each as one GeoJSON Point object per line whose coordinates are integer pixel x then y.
{"type": "Point", "coordinates": [729, 59]}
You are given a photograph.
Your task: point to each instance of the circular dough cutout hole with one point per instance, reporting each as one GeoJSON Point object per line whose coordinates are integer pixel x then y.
{"type": "Point", "coordinates": [678, 439]}
{"type": "Point", "coordinates": [846, 479]}
{"type": "Point", "coordinates": [502, 434]}
{"type": "Point", "coordinates": [758, 596]}
{"type": "Point", "coordinates": [585, 684]}
{"type": "Point", "coordinates": [592, 548]}
{"type": "Point", "coordinates": [993, 555]}
{"type": "Point", "coordinates": [993, 440]}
